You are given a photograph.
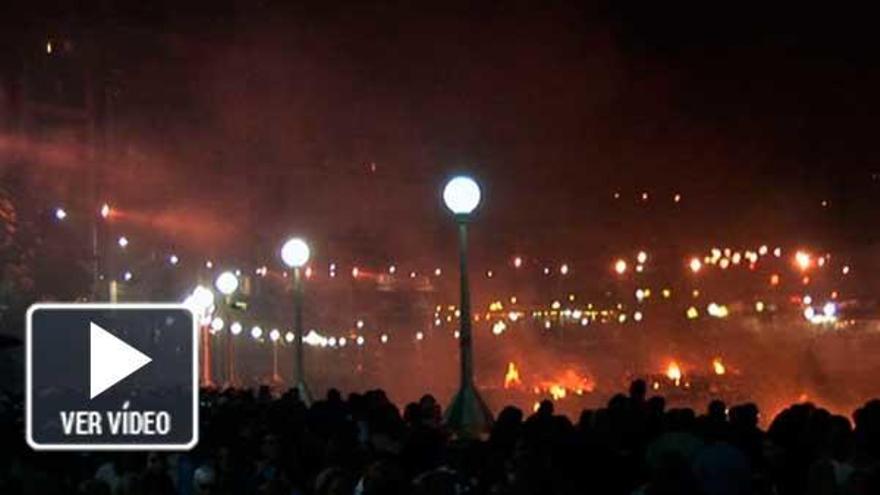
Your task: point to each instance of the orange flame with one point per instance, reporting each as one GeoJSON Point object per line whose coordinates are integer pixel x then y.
{"type": "Point", "coordinates": [673, 372]}
{"type": "Point", "coordinates": [568, 382]}
{"type": "Point", "coordinates": [718, 366]}
{"type": "Point", "coordinates": [557, 391]}
{"type": "Point", "coordinates": [511, 379]}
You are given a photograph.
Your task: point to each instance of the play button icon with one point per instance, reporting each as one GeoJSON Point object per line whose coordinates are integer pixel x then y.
{"type": "Point", "coordinates": [111, 360]}
{"type": "Point", "coordinates": [111, 377]}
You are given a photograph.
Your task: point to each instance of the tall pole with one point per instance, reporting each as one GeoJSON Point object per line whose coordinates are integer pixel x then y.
{"type": "Point", "coordinates": [468, 415]}
{"type": "Point", "coordinates": [466, 348]}
{"type": "Point", "coordinates": [299, 369]}
{"type": "Point", "coordinates": [231, 378]}
{"type": "Point", "coordinates": [206, 356]}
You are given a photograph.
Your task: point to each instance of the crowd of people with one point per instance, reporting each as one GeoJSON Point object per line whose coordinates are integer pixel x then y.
{"type": "Point", "coordinates": [254, 443]}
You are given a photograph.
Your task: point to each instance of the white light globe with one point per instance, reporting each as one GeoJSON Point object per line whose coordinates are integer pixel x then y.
{"type": "Point", "coordinates": [461, 195]}
{"type": "Point", "coordinates": [295, 253]}
{"type": "Point", "coordinates": [256, 332]}
{"type": "Point", "coordinates": [217, 324]}
{"type": "Point", "coordinates": [202, 298]}
{"type": "Point", "coordinates": [226, 283]}
{"type": "Point", "coordinates": [235, 328]}
{"type": "Point", "coordinates": [274, 335]}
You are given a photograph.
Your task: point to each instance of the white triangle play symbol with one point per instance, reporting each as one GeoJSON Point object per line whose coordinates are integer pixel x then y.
{"type": "Point", "coordinates": [111, 360]}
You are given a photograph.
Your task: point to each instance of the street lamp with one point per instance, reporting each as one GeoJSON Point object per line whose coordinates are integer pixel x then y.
{"type": "Point", "coordinates": [201, 301]}
{"type": "Point", "coordinates": [295, 254]}
{"type": "Point", "coordinates": [468, 414]}
{"type": "Point", "coordinates": [227, 284]}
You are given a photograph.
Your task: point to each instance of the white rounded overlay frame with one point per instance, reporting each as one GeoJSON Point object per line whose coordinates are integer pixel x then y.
{"type": "Point", "coordinates": [108, 446]}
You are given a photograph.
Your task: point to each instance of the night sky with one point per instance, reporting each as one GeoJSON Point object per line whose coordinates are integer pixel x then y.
{"type": "Point", "coordinates": [236, 123]}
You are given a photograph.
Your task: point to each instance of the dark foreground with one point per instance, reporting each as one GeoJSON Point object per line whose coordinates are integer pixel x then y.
{"type": "Point", "coordinates": [251, 443]}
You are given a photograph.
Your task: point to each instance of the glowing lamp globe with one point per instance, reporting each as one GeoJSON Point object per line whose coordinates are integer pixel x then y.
{"type": "Point", "coordinates": [461, 195]}
{"type": "Point", "coordinates": [217, 324]}
{"type": "Point", "coordinates": [274, 335]}
{"type": "Point", "coordinates": [295, 253]}
{"type": "Point", "coordinates": [226, 283]}
{"type": "Point", "coordinates": [235, 328]}
{"type": "Point", "coordinates": [256, 332]}
{"type": "Point", "coordinates": [202, 298]}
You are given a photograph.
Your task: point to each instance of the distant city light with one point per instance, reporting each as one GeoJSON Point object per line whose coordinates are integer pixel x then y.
{"type": "Point", "coordinates": [127, 276]}
{"type": "Point", "coordinates": [803, 260]}
{"type": "Point", "coordinates": [105, 210]}
{"type": "Point", "coordinates": [60, 213]}
{"type": "Point", "coordinates": [256, 332]}
{"type": "Point", "coordinates": [563, 269]}
{"type": "Point", "coordinates": [517, 262]}
{"type": "Point", "coordinates": [830, 309]}
{"type": "Point", "coordinates": [235, 328]}
{"type": "Point", "coordinates": [173, 259]}
{"type": "Point", "coordinates": [717, 310]}
{"type": "Point", "coordinates": [642, 257]}
{"type": "Point", "coordinates": [499, 327]}
{"type": "Point", "coordinates": [620, 267]}
{"type": "Point", "coordinates": [695, 264]}
{"type": "Point", "coordinates": [123, 242]}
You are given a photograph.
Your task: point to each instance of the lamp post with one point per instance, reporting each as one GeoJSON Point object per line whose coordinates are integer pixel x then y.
{"type": "Point", "coordinates": [227, 284]}
{"type": "Point", "coordinates": [468, 414]}
{"type": "Point", "coordinates": [275, 336]}
{"type": "Point", "coordinates": [202, 301]}
{"type": "Point", "coordinates": [295, 254]}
